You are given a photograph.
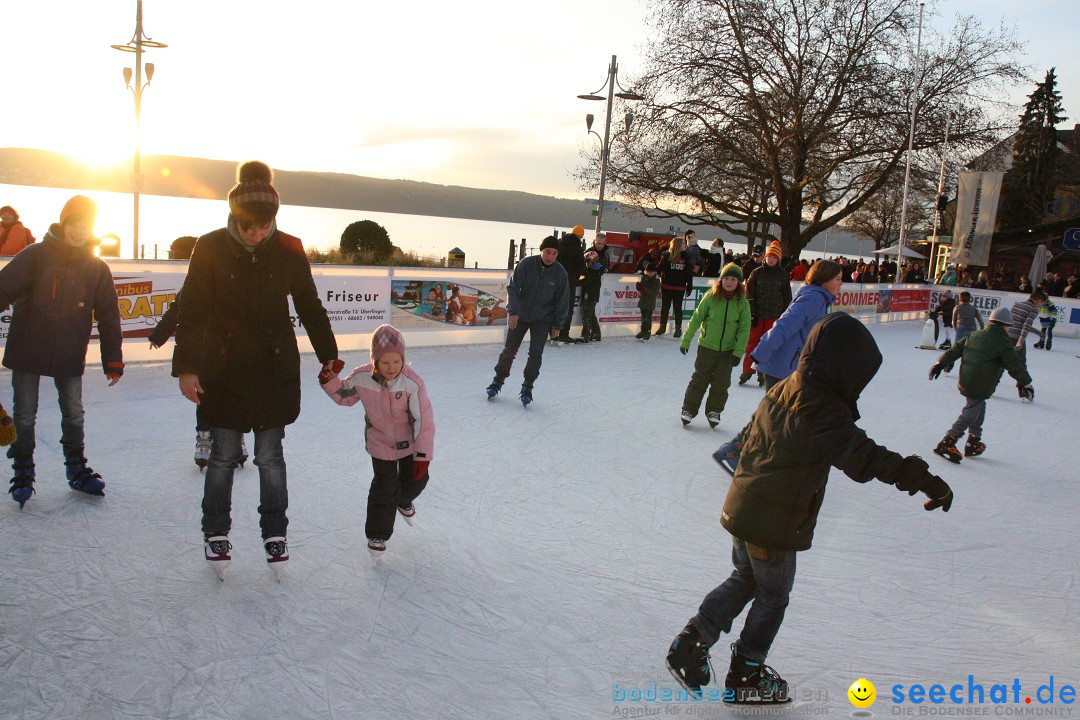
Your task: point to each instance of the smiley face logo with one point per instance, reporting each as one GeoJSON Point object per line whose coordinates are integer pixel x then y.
{"type": "Point", "coordinates": [862, 693]}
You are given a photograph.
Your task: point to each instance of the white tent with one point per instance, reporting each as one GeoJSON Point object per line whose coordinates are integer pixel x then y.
{"type": "Point", "coordinates": [908, 252]}
{"type": "Point", "coordinates": [1038, 266]}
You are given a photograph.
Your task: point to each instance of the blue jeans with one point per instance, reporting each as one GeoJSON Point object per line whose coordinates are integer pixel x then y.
{"type": "Point", "coordinates": [538, 336]}
{"type": "Point", "coordinates": [962, 331]}
{"type": "Point", "coordinates": [273, 489]}
{"type": "Point", "coordinates": [767, 583]}
{"type": "Point", "coordinates": [24, 389]}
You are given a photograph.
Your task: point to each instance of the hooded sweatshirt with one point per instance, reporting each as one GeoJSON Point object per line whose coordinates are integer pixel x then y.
{"type": "Point", "coordinates": [805, 426]}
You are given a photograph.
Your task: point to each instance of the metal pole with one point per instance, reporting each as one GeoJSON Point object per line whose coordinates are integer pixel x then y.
{"type": "Point", "coordinates": [605, 150]}
{"type": "Point", "coordinates": [911, 139]}
{"type": "Point", "coordinates": [940, 187]}
{"type": "Point", "coordinates": [136, 180]}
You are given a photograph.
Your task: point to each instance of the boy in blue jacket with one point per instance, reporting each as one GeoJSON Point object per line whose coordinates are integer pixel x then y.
{"type": "Point", "coordinates": [58, 288]}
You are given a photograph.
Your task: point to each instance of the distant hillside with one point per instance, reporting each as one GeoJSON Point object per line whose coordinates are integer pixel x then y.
{"type": "Point", "coordinates": [211, 179]}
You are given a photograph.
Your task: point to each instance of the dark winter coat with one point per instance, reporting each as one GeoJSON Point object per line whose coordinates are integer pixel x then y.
{"type": "Point", "coordinates": [166, 326]}
{"type": "Point", "coordinates": [594, 273]}
{"type": "Point", "coordinates": [803, 427]}
{"type": "Point", "coordinates": [984, 355]}
{"type": "Point", "coordinates": [945, 309]}
{"type": "Point", "coordinates": [570, 258]}
{"type": "Point", "coordinates": [675, 274]}
{"type": "Point", "coordinates": [236, 333]}
{"type": "Point", "coordinates": [58, 291]}
{"type": "Point", "coordinates": [538, 293]}
{"type": "Point", "coordinates": [769, 291]}
{"type": "Point", "coordinates": [648, 288]}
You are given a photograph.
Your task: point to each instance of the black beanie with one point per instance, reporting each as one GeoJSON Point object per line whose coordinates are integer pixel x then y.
{"type": "Point", "coordinates": [549, 242]}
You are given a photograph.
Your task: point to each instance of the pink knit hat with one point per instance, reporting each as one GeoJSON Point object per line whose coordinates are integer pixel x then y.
{"type": "Point", "coordinates": [386, 338]}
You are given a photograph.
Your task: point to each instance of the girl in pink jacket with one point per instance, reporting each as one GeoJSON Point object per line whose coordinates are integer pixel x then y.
{"type": "Point", "coordinates": [399, 431]}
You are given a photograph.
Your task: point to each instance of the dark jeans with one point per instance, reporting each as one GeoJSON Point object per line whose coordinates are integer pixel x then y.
{"type": "Point", "coordinates": [767, 583]}
{"type": "Point", "coordinates": [392, 487]}
{"type": "Point", "coordinates": [538, 335]}
{"type": "Point", "coordinates": [646, 323]}
{"type": "Point", "coordinates": [24, 391]}
{"type": "Point", "coordinates": [712, 372]}
{"type": "Point", "coordinates": [273, 487]}
{"type": "Point", "coordinates": [590, 326]}
{"type": "Point", "coordinates": [200, 424]}
{"type": "Point", "coordinates": [564, 331]}
{"type": "Point", "coordinates": [669, 299]}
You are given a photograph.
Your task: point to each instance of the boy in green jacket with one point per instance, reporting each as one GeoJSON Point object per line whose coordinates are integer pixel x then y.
{"type": "Point", "coordinates": [984, 356]}
{"type": "Point", "coordinates": [724, 317]}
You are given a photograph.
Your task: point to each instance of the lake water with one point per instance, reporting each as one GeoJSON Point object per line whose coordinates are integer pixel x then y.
{"type": "Point", "coordinates": [163, 219]}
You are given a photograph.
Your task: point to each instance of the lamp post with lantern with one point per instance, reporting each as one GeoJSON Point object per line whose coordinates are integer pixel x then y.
{"type": "Point", "coordinates": [138, 43]}
{"type": "Point", "coordinates": [605, 141]}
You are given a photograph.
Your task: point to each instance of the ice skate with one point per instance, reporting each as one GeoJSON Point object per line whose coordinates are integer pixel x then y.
{"type": "Point", "coordinates": [974, 446]}
{"type": "Point", "coordinates": [409, 513]}
{"type": "Point", "coordinates": [277, 553]}
{"type": "Point", "coordinates": [677, 334]}
{"type": "Point", "coordinates": [81, 477]}
{"type": "Point", "coordinates": [947, 449]}
{"type": "Point", "coordinates": [752, 682]}
{"type": "Point", "coordinates": [744, 377]}
{"type": "Point", "coordinates": [203, 445]}
{"type": "Point", "coordinates": [376, 547]}
{"type": "Point", "coordinates": [945, 345]}
{"type": "Point", "coordinates": [727, 455]}
{"type": "Point", "coordinates": [216, 548]}
{"type": "Point", "coordinates": [713, 418]}
{"type": "Point", "coordinates": [526, 395]}
{"type": "Point", "coordinates": [493, 390]}
{"type": "Point", "coordinates": [686, 417]}
{"type": "Point", "coordinates": [22, 484]}
{"type": "Point", "coordinates": [688, 659]}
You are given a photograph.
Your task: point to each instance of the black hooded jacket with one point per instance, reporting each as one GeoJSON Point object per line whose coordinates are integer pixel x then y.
{"type": "Point", "coordinates": [805, 426]}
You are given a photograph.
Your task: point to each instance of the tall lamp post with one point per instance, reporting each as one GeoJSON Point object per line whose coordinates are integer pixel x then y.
{"type": "Point", "coordinates": [137, 44]}
{"type": "Point", "coordinates": [605, 142]}
{"type": "Point", "coordinates": [914, 100]}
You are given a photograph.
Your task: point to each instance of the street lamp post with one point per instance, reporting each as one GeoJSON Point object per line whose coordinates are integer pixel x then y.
{"type": "Point", "coordinates": [138, 42]}
{"type": "Point", "coordinates": [911, 140]}
{"type": "Point", "coordinates": [605, 142]}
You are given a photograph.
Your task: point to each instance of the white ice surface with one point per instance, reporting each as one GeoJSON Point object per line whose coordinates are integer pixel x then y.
{"type": "Point", "coordinates": [557, 550]}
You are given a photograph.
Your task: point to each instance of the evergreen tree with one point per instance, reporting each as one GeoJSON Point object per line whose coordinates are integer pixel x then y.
{"type": "Point", "coordinates": [367, 237]}
{"type": "Point", "coordinates": [1029, 186]}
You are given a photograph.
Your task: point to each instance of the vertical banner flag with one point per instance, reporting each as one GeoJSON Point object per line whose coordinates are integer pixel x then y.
{"type": "Point", "coordinates": [976, 210]}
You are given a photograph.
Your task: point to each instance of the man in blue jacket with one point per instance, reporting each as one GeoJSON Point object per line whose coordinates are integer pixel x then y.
{"type": "Point", "coordinates": [536, 303]}
{"type": "Point", "coordinates": [58, 288]}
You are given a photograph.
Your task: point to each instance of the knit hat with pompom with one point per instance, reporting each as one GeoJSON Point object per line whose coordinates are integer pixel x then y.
{"type": "Point", "coordinates": [253, 199]}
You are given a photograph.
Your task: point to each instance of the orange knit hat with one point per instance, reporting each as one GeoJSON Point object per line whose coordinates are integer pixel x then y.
{"type": "Point", "coordinates": [79, 207]}
{"type": "Point", "coordinates": [775, 250]}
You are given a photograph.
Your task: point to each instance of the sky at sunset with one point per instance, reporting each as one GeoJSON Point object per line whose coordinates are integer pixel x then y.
{"type": "Point", "coordinates": [476, 93]}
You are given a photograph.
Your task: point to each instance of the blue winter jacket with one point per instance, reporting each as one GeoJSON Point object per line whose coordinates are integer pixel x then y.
{"type": "Point", "coordinates": [58, 291]}
{"type": "Point", "coordinates": [537, 293]}
{"type": "Point", "coordinates": [778, 352]}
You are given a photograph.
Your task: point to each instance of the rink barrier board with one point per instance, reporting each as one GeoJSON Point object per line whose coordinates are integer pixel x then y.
{"type": "Point", "coordinates": [423, 303]}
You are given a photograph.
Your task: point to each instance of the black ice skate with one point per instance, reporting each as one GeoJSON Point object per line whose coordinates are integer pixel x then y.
{"type": "Point", "coordinates": [744, 377]}
{"type": "Point", "coordinates": [947, 449]}
{"type": "Point", "coordinates": [82, 477]}
{"type": "Point", "coordinates": [974, 446]}
{"type": "Point", "coordinates": [493, 390]}
{"type": "Point", "coordinates": [22, 484]}
{"type": "Point", "coordinates": [526, 395]}
{"type": "Point", "coordinates": [752, 682]}
{"type": "Point", "coordinates": [688, 659]}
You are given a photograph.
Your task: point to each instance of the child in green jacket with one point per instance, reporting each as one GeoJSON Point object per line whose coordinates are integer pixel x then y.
{"type": "Point", "coordinates": [983, 356]}
{"type": "Point", "coordinates": [724, 317]}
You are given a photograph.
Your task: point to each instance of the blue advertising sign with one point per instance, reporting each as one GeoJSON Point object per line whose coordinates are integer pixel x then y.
{"type": "Point", "coordinates": [1071, 240]}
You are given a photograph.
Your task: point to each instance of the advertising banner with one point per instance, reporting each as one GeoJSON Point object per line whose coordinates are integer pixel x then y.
{"type": "Point", "coordinates": [430, 304]}
{"type": "Point", "coordinates": [976, 209]}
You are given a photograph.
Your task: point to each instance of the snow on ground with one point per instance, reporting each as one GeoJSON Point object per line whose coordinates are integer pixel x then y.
{"type": "Point", "coordinates": [557, 552]}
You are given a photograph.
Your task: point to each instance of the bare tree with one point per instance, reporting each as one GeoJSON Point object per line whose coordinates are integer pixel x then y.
{"type": "Point", "coordinates": [800, 102]}
{"type": "Point", "coordinates": [878, 218]}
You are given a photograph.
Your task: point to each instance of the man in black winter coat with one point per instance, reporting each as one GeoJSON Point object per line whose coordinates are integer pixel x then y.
{"type": "Point", "coordinates": [236, 353]}
{"type": "Point", "coordinates": [570, 257]}
{"type": "Point", "coordinates": [803, 428]}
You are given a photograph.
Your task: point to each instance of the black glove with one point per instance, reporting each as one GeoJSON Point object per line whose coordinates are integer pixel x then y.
{"type": "Point", "coordinates": [1027, 392]}
{"type": "Point", "coordinates": [940, 494]}
{"type": "Point", "coordinates": [913, 474]}
{"type": "Point", "coordinates": [935, 371]}
{"type": "Point", "coordinates": [735, 360]}
{"type": "Point", "coordinates": [753, 321]}
{"type": "Point", "coordinates": [684, 350]}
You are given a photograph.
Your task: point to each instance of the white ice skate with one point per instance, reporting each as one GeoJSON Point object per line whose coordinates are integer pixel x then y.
{"type": "Point", "coordinates": [217, 549]}
{"type": "Point", "coordinates": [376, 547]}
{"type": "Point", "coordinates": [277, 553]}
{"type": "Point", "coordinates": [409, 513]}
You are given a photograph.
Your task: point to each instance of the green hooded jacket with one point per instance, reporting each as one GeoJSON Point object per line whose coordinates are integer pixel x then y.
{"type": "Point", "coordinates": [984, 355]}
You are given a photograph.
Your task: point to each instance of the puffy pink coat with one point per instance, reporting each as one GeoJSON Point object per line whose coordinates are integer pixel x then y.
{"type": "Point", "coordinates": [398, 421]}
